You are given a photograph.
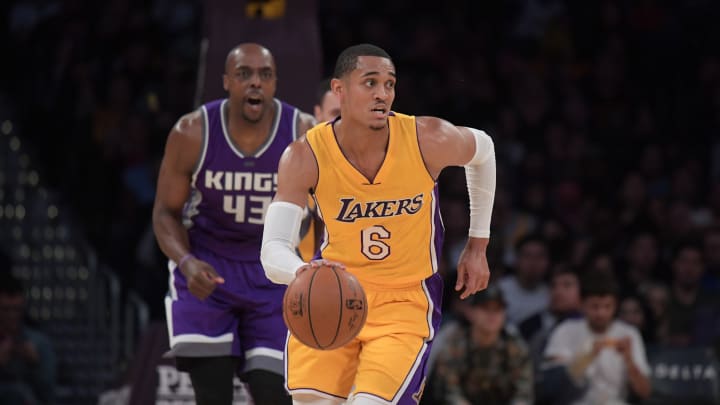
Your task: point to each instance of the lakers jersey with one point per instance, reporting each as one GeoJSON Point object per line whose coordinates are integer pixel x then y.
{"type": "Point", "coordinates": [388, 231]}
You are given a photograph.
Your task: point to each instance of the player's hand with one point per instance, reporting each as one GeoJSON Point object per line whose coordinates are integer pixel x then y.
{"type": "Point", "coordinates": [314, 264]}
{"type": "Point", "coordinates": [201, 277]}
{"type": "Point", "coordinates": [473, 272]}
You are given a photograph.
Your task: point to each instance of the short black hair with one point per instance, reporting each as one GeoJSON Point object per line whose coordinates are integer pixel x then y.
{"type": "Point", "coordinates": [595, 284]}
{"type": "Point", "coordinates": [323, 87]}
{"type": "Point", "coordinates": [347, 61]}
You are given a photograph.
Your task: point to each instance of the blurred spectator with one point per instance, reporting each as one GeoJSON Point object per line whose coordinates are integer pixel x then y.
{"type": "Point", "coordinates": [27, 360]}
{"type": "Point", "coordinates": [642, 259]}
{"type": "Point", "coordinates": [693, 313]}
{"type": "Point", "coordinates": [633, 311]}
{"type": "Point", "coordinates": [564, 304]}
{"type": "Point", "coordinates": [481, 361]}
{"type": "Point", "coordinates": [526, 290]}
{"type": "Point", "coordinates": [602, 355]}
{"type": "Point", "coordinates": [711, 252]}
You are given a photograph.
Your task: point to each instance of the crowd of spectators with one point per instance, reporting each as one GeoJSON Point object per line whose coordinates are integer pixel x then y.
{"type": "Point", "coordinates": [605, 116]}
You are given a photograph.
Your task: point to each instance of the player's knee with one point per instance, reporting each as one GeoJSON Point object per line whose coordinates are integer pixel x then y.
{"type": "Point", "coordinates": [267, 388]}
{"type": "Point", "coordinates": [365, 400]}
{"type": "Point", "coordinates": [311, 399]}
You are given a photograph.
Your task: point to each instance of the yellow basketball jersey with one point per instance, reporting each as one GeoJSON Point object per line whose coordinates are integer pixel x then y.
{"type": "Point", "coordinates": [387, 232]}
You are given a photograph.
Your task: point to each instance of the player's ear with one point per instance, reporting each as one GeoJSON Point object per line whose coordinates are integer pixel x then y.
{"type": "Point", "coordinates": [336, 85]}
{"type": "Point", "coordinates": [226, 81]}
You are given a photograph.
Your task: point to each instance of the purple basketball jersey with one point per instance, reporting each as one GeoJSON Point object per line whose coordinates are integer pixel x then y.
{"type": "Point", "coordinates": [231, 191]}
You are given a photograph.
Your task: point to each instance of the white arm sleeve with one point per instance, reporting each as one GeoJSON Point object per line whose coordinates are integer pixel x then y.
{"type": "Point", "coordinates": [281, 235]}
{"type": "Point", "coordinates": [480, 176]}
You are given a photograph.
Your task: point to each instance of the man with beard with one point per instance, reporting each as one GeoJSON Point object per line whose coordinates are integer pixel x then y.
{"type": "Point", "coordinates": [602, 355]}
{"type": "Point", "coordinates": [217, 178]}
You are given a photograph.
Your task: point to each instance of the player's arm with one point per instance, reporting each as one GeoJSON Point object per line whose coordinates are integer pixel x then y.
{"type": "Point", "coordinates": [182, 152]}
{"type": "Point", "coordinates": [297, 175]}
{"type": "Point", "coordinates": [443, 144]}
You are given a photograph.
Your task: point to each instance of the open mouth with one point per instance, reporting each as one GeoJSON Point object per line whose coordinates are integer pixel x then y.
{"type": "Point", "coordinates": [379, 111]}
{"type": "Point", "coordinates": [254, 101]}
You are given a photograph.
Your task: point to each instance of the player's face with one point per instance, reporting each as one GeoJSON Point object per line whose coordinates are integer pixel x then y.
{"type": "Point", "coordinates": [251, 80]}
{"type": "Point", "coordinates": [369, 91]}
{"type": "Point", "coordinates": [329, 109]}
{"type": "Point", "coordinates": [599, 311]}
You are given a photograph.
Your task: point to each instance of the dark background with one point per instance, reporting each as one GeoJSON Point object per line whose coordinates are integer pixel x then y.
{"type": "Point", "coordinates": [605, 113]}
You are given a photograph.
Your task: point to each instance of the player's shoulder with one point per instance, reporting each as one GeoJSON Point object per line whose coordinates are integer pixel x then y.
{"type": "Point", "coordinates": [190, 123]}
{"type": "Point", "coordinates": [433, 125]}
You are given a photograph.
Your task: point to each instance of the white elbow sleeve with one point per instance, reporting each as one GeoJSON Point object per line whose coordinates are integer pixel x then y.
{"type": "Point", "coordinates": [480, 175]}
{"type": "Point", "coordinates": [281, 235]}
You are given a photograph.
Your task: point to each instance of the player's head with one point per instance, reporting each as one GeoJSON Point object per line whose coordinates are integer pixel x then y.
{"type": "Point", "coordinates": [327, 103]}
{"type": "Point", "coordinates": [364, 80]}
{"type": "Point", "coordinates": [250, 78]}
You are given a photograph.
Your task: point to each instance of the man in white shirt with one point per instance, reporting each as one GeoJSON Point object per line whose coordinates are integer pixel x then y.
{"type": "Point", "coordinates": [526, 291]}
{"type": "Point", "coordinates": [604, 355]}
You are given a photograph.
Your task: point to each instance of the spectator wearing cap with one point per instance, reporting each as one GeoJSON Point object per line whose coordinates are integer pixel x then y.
{"type": "Point", "coordinates": [481, 361]}
{"type": "Point", "coordinates": [603, 357]}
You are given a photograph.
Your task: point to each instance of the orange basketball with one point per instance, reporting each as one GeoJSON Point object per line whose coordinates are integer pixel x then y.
{"type": "Point", "coordinates": [325, 308]}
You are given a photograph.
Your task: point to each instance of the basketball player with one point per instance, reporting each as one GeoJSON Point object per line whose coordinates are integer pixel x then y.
{"type": "Point", "coordinates": [217, 178]}
{"type": "Point", "coordinates": [327, 107]}
{"type": "Point", "coordinates": [373, 175]}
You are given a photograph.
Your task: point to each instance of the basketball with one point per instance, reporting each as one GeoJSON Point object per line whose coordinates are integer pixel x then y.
{"type": "Point", "coordinates": [324, 307]}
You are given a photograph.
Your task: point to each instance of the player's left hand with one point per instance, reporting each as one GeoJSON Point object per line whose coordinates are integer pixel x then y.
{"type": "Point", "coordinates": [473, 271]}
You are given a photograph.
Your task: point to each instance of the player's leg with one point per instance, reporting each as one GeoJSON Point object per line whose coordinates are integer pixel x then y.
{"type": "Point", "coordinates": [364, 399]}
{"type": "Point", "coordinates": [203, 335]}
{"type": "Point", "coordinates": [325, 374]}
{"type": "Point", "coordinates": [267, 387]}
{"type": "Point", "coordinates": [313, 399]}
{"type": "Point", "coordinates": [396, 344]}
{"type": "Point", "coordinates": [263, 334]}
{"type": "Point", "coordinates": [211, 377]}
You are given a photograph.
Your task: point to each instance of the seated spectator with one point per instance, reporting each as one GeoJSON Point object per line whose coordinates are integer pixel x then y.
{"type": "Point", "coordinates": [27, 361]}
{"type": "Point", "coordinates": [526, 291]}
{"type": "Point", "coordinates": [642, 263]}
{"type": "Point", "coordinates": [633, 311]}
{"type": "Point", "coordinates": [603, 357]}
{"type": "Point", "coordinates": [564, 304]}
{"type": "Point", "coordinates": [693, 312]}
{"type": "Point", "coordinates": [481, 361]}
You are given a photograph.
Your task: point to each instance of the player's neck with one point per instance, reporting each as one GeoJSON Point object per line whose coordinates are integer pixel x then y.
{"type": "Point", "coordinates": [249, 135]}
{"type": "Point", "coordinates": [358, 139]}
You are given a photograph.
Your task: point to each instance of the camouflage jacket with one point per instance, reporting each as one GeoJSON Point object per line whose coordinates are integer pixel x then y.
{"type": "Point", "coordinates": [467, 374]}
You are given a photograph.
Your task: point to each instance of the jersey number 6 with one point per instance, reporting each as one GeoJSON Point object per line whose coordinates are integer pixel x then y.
{"type": "Point", "coordinates": [373, 242]}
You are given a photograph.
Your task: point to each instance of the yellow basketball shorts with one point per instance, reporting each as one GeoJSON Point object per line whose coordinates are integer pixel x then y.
{"type": "Point", "coordinates": [386, 360]}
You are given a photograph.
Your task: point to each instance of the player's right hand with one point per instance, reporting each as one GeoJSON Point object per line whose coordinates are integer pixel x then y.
{"type": "Point", "coordinates": [314, 264]}
{"type": "Point", "coordinates": [201, 277]}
